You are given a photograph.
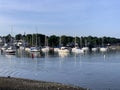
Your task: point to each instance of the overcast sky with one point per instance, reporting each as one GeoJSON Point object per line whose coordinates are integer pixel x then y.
{"type": "Point", "coordinates": [68, 17]}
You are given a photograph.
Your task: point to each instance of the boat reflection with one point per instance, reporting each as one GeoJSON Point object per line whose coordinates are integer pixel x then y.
{"type": "Point", "coordinates": [63, 54]}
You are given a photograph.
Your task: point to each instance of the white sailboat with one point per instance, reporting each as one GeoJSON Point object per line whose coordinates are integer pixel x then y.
{"type": "Point", "coordinates": [27, 49]}
{"type": "Point", "coordinates": [3, 48]}
{"type": "Point", "coordinates": [35, 49]}
{"type": "Point", "coordinates": [76, 49]}
{"type": "Point", "coordinates": [63, 50]}
{"type": "Point", "coordinates": [57, 48]}
{"type": "Point", "coordinates": [85, 49]}
{"type": "Point", "coordinates": [95, 49]}
{"type": "Point", "coordinates": [11, 48]}
{"type": "Point", "coordinates": [46, 48]}
{"type": "Point", "coordinates": [103, 48]}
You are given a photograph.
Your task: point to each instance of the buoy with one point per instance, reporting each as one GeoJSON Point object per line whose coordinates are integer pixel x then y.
{"type": "Point", "coordinates": [32, 55]}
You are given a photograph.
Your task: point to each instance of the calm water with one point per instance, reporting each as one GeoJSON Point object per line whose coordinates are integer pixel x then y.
{"type": "Point", "coordinates": [96, 71]}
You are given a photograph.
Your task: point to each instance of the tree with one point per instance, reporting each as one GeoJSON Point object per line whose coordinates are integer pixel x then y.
{"type": "Point", "coordinates": [18, 36]}
{"type": "Point", "coordinates": [53, 41]}
{"type": "Point", "coordinates": [8, 38]}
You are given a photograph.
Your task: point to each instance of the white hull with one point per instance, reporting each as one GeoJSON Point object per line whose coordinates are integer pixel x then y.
{"type": "Point", "coordinates": [3, 48]}
{"type": "Point", "coordinates": [77, 50]}
{"type": "Point", "coordinates": [27, 49]}
{"type": "Point", "coordinates": [34, 49]}
{"type": "Point", "coordinates": [56, 49]}
{"type": "Point", "coordinates": [10, 51]}
{"type": "Point", "coordinates": [21, 48]}
{"type": "Point", "coordinates": [63, 50]}
{"type": "Point", "coordinates": [85, 49]}
{"type": "Point", "coordinates": [46, 49]}
{"type": "Point", "coordinates": [94, 49]}
{"type": "Point", "coordinates": [103, 49]}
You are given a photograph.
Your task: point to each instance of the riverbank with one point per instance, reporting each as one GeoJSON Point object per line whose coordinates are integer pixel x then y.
{"type": "Point", "coordinates": [10, 83]}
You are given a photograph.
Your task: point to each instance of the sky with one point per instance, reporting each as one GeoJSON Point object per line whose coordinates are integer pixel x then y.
{"type": "Point", "coordinates": [61, 17]}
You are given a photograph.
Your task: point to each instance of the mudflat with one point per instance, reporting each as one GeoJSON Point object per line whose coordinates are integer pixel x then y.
{"type": "Point", "coordinates": [11, 83]}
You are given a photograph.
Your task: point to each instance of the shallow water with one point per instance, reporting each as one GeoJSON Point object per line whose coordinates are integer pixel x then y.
{"type": "Point", "coordinates": [97, 71]}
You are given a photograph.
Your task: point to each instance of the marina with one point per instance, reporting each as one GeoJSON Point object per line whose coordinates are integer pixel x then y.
{"type": "Point", "coordinates": [66, 42]}
{"type": "Point", "coordinates": [87, 70]}
{"type": "Point", "coordinates": [77, 62]}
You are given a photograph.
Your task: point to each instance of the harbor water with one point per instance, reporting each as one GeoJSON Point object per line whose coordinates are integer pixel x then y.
{"type": "Point", "coordinates": [97, 71]}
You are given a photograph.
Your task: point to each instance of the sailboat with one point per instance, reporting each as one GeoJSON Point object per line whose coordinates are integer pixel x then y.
{"type": "Point", "coordinates": [76, 49]}
{"type": "Point", "coordinates": [46, 48]}
{"type": "Point", "coordinates": [85, 49]}
{"type": "Point", "coordinates": [3, 48]}
{"type": "Point", "coordinates": [63, 50]}
{"type": "Point", "coordinates": [35, 48]}
{"type": "Point", "coordinates": [10, 48]}
{"type": "Point", "coordinates": [103, 48]}
{"type": "Point", "coordinates": [94, 49]}
{"type": "Point", "coordinates": [56, 49]}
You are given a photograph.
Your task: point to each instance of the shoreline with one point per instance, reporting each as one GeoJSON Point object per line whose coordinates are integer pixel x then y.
{"type": "Point", "coordinates": [12, 83]}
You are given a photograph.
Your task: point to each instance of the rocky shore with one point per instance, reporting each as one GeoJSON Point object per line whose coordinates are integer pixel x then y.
{"type": "Point", "coordinates": [11, 83]}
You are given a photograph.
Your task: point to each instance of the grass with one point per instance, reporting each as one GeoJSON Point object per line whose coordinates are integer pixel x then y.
{"type": "Point", "coordinates": [10, 83]}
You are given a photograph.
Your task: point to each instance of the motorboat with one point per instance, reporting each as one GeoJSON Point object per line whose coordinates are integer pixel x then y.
{"type": "Point", "coordinates": [10, 50]}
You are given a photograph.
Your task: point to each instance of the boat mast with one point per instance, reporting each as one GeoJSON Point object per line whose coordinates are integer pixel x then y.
{"type": "Point", "coordinates": [32, 39]}
{"type": "Point", "coordinates": [36, 36]}
{"type": "Point", "coordinates": [45, 40]}
{"type": "Point", "coordinates": [11, 35]}
{"type": "Point", "coordinates": [75, 41]}
{"type": "Point", "coordinates": [60, 42]}
{"type": "Point", "coordinates": [85, 43]}
{"type": "Point", "coordinates": [103, 42]}
{"type": "Point", "coordinates": [80, 42]}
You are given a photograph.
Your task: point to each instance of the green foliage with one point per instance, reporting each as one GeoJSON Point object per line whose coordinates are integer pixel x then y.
{"type": "Point", "coordinates": [8, 38]}
{"type": "Point", "coordinates": [35, 39]}
{"type": "Point", "coordinates": [53, 40]}
{"type": "Point", "coordinates": [18, 36]}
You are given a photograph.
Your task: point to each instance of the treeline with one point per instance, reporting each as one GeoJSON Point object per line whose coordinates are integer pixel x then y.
{"type": "Point", "coordinates": [55, 41]}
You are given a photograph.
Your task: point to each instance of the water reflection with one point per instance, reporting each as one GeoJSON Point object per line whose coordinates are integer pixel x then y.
{"type": "Point", "coordinates": [63, 55]}
{"type": "Point", "coordinates": [87, 70]}
{"type": "Point", "coordinates": [22, 53]}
